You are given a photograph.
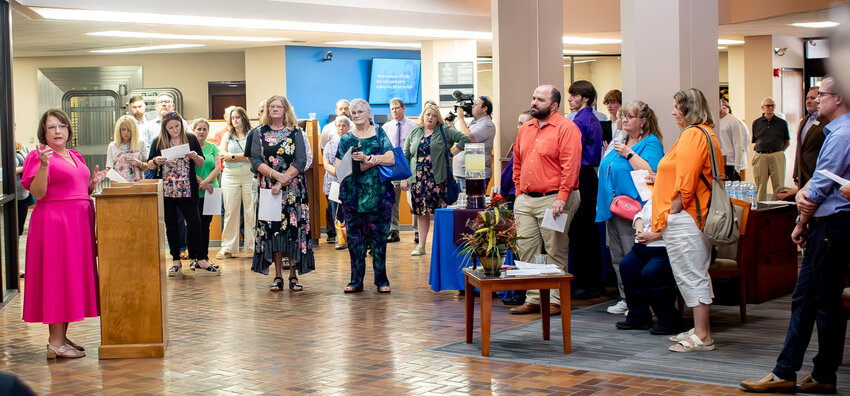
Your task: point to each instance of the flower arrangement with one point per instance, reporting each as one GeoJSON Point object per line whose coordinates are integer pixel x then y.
{"type": "Point", "coordinates": [493, 232]}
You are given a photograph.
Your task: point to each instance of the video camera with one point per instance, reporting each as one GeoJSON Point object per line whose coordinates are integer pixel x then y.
{"type": "Point", "coordinates": [464, 101]}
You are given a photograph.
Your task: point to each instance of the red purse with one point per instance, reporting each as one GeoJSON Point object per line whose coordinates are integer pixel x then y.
{"type": "Point", "coordinates": [623, 206]}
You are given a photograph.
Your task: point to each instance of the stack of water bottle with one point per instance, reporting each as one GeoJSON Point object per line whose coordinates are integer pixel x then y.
{"type": "Point", "coordinates": [744, 191]}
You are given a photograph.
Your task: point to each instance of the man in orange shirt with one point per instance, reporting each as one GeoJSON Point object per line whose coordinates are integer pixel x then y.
{"type": "Point", "coordinates": [547, 157]}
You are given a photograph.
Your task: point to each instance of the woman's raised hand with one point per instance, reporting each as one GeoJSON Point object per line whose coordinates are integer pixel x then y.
{"type": "Point", "coordinates": [44, 154]}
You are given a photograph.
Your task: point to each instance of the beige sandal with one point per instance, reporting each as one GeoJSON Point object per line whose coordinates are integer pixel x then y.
{"type": "Point", "coordinates": [682, 336]}
{"type": "Point", "coordinates": [694, 344]}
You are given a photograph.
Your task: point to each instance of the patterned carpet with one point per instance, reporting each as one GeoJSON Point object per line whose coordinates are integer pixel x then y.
{"type": "Point", "coordinates": [744, 351]}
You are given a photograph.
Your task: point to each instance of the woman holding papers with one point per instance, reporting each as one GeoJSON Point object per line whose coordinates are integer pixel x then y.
{"type": "Point", "coordinates": [174, 155]}
{"type": "Point", "coordinates": [236, 179]}
{"type": "Point", "coordinates": [366, 201]}
{"type": "Point", "coordinates": [278, 157]}
{"type": "Point", "coordinates": [127, 153]}
{"type": "Point", "coordinates": [342, 125]}
{"type": "Point", "coordinates": [678, 215]}
{"type": "Point", "coordinates": [641, 149]}
{"type": "Point", "coordinates": [207, 176]}
{"type": "Point", "coordinates": [61, 281]}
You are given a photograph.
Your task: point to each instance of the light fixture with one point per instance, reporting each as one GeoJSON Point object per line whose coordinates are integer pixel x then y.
{"type": "Point", "coordinates": [720, 47]}
{"type": "Point", "coordinates": [166, 36]}
{"type": "Point", "coordinates": [148, 48]}
{"type": "Point", "coordinates": [729, 42]}
{"type": "Point", "coordinates": [570, 40]}
{"type": "Point", "coordinates": [240, 23]}
{"type": "Point", "coordinates": [580, 52]}
{"type": "Point", "coordinates": [780, 51]}
{"type": "Point", "coordinates": [374, 44]}
{"type": "Point", "coordinates": [816, 25]}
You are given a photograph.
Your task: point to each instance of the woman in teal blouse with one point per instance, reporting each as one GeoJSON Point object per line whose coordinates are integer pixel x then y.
{"type": "Point", "coordinates": [425, 148]}
{"type": "Point", "coordinates": [366, 201]}
{"type": "Point", "coordinates": [641, 149]}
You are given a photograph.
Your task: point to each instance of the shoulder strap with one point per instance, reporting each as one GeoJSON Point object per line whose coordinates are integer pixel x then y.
{"type": "Point", "coordinates": [714, 166]}
{"type": "Point", "coordinates": [446, 147]}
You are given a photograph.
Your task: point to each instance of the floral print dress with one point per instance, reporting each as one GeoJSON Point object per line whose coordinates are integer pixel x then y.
{"type": "Point", "coordinates": [122, 165]}
{"type": "Point", "coordinates": [291, 235]}
{"type": "Point", "coordinates": [426, 194]}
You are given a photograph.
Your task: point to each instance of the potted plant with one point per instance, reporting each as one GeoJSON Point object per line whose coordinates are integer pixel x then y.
{"type": "Point", "coordinates": [493, 233]}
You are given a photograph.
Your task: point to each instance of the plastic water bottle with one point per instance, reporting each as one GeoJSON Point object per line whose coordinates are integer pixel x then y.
{"type": "Point", "coordinates": [735, 193]}
{"type": "Point", "coordinates": [752, 192]}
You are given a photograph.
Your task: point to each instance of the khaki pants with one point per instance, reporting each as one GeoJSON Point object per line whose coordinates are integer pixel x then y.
{"type": "Point", "coordinates": [529, 214]}
{"type": "Point", "coordinates": [768, 166]}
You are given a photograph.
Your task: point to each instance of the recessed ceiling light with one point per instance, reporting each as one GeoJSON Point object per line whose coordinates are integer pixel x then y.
{"type": "Point", "coordinates": [816, 25]}
{"type": "Point", "coordinates": [580, 52]}
{"type": "Point", "coordinates": [115, 33]}
{"type": "Point", "coordinates": [148, 48]}
{"type": "Point", "coordinates": [729, 42]}
{"type": "Point", "coordinates": [721, 47]}
{"type": "Point", "coordinates": [222, 22]}
{"type": "Point", "coordinates": [589, 41]}
{"type": "Point", "coordinates": [375, 44]}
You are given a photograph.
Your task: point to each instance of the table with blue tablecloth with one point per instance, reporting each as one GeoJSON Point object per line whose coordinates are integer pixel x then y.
{"type": "Point", "coordinates": [446, 260]}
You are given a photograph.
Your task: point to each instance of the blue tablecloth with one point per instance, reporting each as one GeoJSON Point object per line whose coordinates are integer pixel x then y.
{"type": "Point", "coordinates": [446, 260]}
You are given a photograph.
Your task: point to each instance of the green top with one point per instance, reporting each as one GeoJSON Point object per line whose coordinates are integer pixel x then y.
{"type": "Point", "coordinates": [438, 149]}
{"type": "Point", "coordinates": [210, 152]}
{"type": "Point", "coordinates": [363, 191]}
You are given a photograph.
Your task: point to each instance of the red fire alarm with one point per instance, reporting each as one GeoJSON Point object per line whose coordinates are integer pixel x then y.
{"type": "Point", "coordinates": [777, 72]}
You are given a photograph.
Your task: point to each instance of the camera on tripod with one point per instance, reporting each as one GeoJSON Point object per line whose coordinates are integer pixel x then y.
{"type": "Point", "coordinates": [464, 101]}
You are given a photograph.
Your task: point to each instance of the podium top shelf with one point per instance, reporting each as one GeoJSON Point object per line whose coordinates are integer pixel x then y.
{"type": "Point", "coordinates": [143, 187]}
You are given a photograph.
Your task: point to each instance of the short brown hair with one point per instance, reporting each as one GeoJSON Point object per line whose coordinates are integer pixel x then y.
{"type": "Point", "coordinates": [613, 95]}
{"type": "Point", "coordinates": [584, 89]}
{"type": "Point", "coordinates": [63, 118]}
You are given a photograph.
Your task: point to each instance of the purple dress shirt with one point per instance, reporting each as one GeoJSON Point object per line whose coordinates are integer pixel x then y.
{"type": "Point", "coordinates": [591, 137]}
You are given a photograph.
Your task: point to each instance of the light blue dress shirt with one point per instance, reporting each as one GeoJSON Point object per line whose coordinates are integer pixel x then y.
{"type": "Point", "coordinates": [834, 157]}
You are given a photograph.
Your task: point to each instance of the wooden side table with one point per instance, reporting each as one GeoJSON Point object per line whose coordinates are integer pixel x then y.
{"type": "Point", "coordinates": [487, 284]}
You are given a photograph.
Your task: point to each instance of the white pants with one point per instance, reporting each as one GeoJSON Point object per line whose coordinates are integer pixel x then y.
{"type": "Point", "coordinates": [236, 192]}
{"type": "Point", "coordinates": [690, 255]}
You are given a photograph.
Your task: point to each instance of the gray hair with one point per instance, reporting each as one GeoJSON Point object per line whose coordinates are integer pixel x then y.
{"type": "Point", "coordinates": [344, 118]}
{"type": "Point", "coordinates": [361, 103]}
{"type": "Point", "coordinates": [766, 99]}
{"type": "Point", "coordinates": [228, 110]}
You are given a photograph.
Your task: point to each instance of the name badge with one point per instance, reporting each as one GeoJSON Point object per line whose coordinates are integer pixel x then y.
{"type": "Point", "coordinates": [816, 122]}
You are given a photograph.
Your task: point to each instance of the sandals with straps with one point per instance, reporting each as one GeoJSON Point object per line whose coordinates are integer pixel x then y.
{"type": "Point", "coordinates": [293, 284]}
{"type": "Point", "coordinates": [277, 285]}
{"type": "Point", "coordinates": [693, 344]}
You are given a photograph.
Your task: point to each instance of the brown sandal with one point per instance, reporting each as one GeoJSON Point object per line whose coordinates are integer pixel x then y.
{"type": "Point", "coordinates": [277, 285]}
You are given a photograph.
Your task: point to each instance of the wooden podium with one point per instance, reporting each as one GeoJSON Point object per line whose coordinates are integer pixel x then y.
{"type": "Point", "coordinates": [131, 262]}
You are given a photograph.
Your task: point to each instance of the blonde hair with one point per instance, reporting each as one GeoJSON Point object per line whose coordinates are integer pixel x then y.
{"type": "Point", "coordinates": [134, 131]}
{"type": "Point", "coordinates": [436, 109]}
{"type": "Point", "coordinates": [693, 106]}
{"type": "Point", "coordinates": [289, 119]}
{"type": "Point", "coordinates": [642, 110]}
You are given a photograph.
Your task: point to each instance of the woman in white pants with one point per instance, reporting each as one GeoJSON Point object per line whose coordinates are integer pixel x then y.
{"type": "Point", "coordinates": [236, 182]}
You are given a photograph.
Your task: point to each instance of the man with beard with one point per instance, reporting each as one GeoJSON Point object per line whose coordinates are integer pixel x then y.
{"type": "Point", "coordinates": [547, 157]}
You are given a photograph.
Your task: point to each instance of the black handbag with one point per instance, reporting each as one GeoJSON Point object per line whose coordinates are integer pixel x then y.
{"type": "Point", "coordinates": [452, 189]}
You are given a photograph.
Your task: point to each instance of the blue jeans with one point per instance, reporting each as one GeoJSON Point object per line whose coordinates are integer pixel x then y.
{"type": "Point", "coordinates": [648, 281]}
{"type": "Point", "coordinates": [817, 300]}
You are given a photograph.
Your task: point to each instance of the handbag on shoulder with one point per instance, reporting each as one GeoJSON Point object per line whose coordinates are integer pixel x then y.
{"type": "Point", "coordinates": [452, 189]}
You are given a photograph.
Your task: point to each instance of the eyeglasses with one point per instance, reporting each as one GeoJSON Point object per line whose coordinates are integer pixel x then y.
{"type": "Point", "coordinates": [60, 127]}
{"type": "Point", "coordinates": [630, 117]}
{"type": "Point", "coordinates": [769, 105]}
{"type": "Point", "coordinates": [824, 93]}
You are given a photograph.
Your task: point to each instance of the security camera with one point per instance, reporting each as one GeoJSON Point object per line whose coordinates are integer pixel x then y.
{"type": "Point", "coordinates": [328, 57]}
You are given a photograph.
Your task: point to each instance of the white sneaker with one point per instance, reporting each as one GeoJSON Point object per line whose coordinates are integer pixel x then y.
{"type": "Point", "coordinates": [419, 251]}
{"type": "Point", "coordinates": [619, 308]}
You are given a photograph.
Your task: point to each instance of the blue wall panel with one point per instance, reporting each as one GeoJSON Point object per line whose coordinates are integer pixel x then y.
{"type": "Point", "coordinates": [314, 86]}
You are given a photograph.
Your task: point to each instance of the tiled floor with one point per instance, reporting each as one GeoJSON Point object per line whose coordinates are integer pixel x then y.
{"type": "Point", "coordinates": [229, 335]}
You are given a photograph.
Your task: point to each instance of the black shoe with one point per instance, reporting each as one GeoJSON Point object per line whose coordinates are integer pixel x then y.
{"type": "Point", "coordinates": [666, 330]}
{"type": "Point", "coordinates": [633, 325]}
{"type": "Point", "coordinates": [584, 294]}
{"type": "Point", "coordinates": [394, 237]}
{"type": "Point", "coordinates": [416, 237]}
{"type": "Point", "coordinates": [517, 299]}
{"type": "Point", "coordinates": [331, 240]}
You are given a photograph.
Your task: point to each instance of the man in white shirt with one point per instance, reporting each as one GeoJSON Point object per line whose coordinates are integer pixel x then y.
{"type": "Point", "coordinates": [137, 109]}
{"type": "Point", "coordinates": [164, 104]}
{"type": "Point", "coordinates": [329, 130]}
{"type": "Point", "coordinates": [733, 141]}
{"type": "Point", "coordinates": [397, 130]}
{"type": "Point", "coordinates": [480, 130]}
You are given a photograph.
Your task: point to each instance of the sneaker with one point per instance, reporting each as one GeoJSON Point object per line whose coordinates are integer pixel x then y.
{"type": "Point", "coordinates": [419, 251]}
{"type": "Point", "coordinates": [619, 308]}
{"type": "Point", "coordinates": [223, 255]}
{"type": "Point", "coordinates": [331, 240]}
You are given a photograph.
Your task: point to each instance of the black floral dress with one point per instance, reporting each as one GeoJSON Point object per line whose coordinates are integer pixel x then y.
{"type": "Point", "coordinates": [291, 235]}
{"type": "Point", "coordinates": [427, 195]}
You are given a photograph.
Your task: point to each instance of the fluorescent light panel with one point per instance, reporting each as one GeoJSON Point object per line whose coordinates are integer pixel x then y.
{"type": "Point", "coordinates": [148, 48]}
{"type": "Point", "coordinates": [580, 52]}
{"type": "Point", "coordinates": [374, 44]}
{"type": "Point", "coordinates": [189, 20]}
{"type": "Point", "coordinates": [816, 25]}
{"type": "Point", "coordinates": [729, 42]}
{"type": "Point", "coordinates": [166, 36]}
{"type": "Point", "coordinates": [589, 41]}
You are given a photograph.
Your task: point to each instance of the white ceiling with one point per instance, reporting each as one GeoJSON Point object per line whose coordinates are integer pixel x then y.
{"type": "Point", "coordinates": [36, 36]}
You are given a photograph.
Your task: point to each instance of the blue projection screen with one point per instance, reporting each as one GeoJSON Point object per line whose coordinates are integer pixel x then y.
{"type": "Point", "coordinates": [393, 78]}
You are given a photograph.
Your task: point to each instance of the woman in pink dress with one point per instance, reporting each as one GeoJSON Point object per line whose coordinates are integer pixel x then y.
{"type": "Point", "coordinates": [61, 282]}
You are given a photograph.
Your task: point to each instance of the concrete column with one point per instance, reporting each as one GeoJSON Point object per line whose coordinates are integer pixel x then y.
{"type": "Point", "coordinates": [669, 45]}
{"type": "Point", "coordinates": [265, 75]}
{"type": "Point", "coordinates": [737, 81]}
{"type": "Point", "coordinates": [527, 52]}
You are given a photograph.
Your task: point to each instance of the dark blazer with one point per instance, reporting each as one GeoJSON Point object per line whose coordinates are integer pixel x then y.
{"type": "Point", "coordinates": [808, 150]}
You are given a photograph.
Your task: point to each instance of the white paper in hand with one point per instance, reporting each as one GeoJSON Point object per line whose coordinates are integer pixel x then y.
{"type": "Point", "coordinates": [333, 194]}
{"type": "Point", "coordinates": [639, 178]}
{"type": "Point", "coordinates": [212, 202]}
{"type": "Point", "coordinates": [270, 206]}
{"type": "Point", "coordinates": [176, 152]}
{"type": "Point", "coordinates": [838, 179]}
{"type": "Point", "coordinates": [343, 167]}
{"type": "Point", "coordinates": [113, 175]}
{"type": "Point", "coordinates": [550, 222]}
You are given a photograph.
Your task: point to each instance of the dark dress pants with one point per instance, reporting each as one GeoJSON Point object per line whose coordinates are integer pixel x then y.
{"type": "Point", "coordinates": [648, 282]}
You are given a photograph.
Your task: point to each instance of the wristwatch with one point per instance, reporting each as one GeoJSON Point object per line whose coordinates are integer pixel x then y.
{"type": "Point", "coordinates": [797, 220]}
{"type": "Point", "coordinates": [233, 156]}
{"type": "Point", "coordinates": [628, 157]}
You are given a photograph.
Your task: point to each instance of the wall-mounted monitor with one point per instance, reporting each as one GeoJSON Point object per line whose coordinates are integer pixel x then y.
{"type": "Point", "coordinates": [393, 78]}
